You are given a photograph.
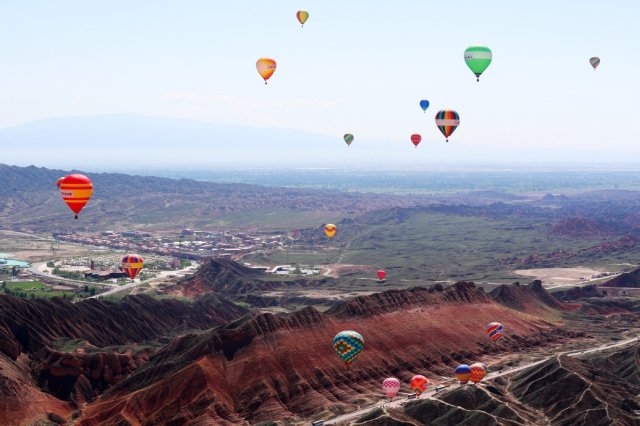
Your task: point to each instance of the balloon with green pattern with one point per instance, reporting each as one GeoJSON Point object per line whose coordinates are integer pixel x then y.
{"type": "Point", "coordinates": [478, 59]}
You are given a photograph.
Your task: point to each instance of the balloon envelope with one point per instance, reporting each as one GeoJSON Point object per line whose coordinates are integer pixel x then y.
{"type": "Point", "coordinates": [391, 386]}
{"type": "Point", "coordinates": [302, 16]}
{"type": "Point", "coordinates": [330, 230]}
{"type": "Point", "coordinates": [463, 373]}
{"type": "Point", "coordinates": [76, 190]}
{"type": "Point", "coordinates": [415, 139]}
{"type": "Point", "coordinates": [495, 330]}
{"type": "Point", "coordinates": [447, 121]}
{"type": "Point", "coordinates": [595, 61]}
{"type": "Point", "coordinates": [266, 67]}
{"type": "Point", "coordinates": [348, 345]}
{"type": "Point", "coordinates": [419, 384]}
{"type": "Point", "coordinates": [424, 104]}
{"type": "Point", "coordinates": [381, 274]}
{"type": "Point", "coordinates": [478, 59]}
{"type": "Point", "coordinates": [132, 265]}
{"type": "Point", "coordinates": [348, 138]}
{"type": "Point", "coordinates": [478, 371]}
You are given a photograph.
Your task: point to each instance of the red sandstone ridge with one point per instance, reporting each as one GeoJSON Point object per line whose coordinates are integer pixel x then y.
{"type": "Point", "coordinates": [29, 366]}
{"type": "Point", "coordinates": [270, 367]}
{"type": "Point", "coordinates": [579, 227]}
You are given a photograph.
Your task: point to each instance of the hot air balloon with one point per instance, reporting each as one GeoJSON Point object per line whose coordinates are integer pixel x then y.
{"type": "Point", "coordinates": [424, 104]}
{"type": "Point", "coordinates": [478, 59]}
{"type": "Point", "coordinates": [595, 61]}
{"type": "Point", "coordinates": [266, 67]}
{"type": "Point", "coordinates": [390, 387]}
{"type": "Point", "coordinates": [447, 121]}
{"type": "Point", "coordinates": [463, 373]}
{"type": "Point", "coordinates": [348, 345]}
{"type": "Point", "coordinates": [302, 16]}
{"type": "Point", "coordinates": [348, 138]}
{"type": "Point", "coordinates": [330, 230]}
{"type": "Point", "coordinates": [495, 330]}
{"type": "Point", "coordinates": [132, 265]}
{"type": "Point", "coordinates": [76, 190]}
{"type": "Point", "coordinates": [419, 384]}
{"type": "Point", "coordinates": [415, 139]}
{"type": "Point", "coordinates": [478, 371]}
{"type": "Point", "coordinates": [381, 275]}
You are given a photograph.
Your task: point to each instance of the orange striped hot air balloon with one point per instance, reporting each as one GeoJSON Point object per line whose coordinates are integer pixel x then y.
{"type": "Point", "coordinates": [132, 265]}
{"type": "Point", "coordinates": [478, 372]}
{"type": "Point", "coordinates": [266, 67]}
{"type": "Point", "coordinates": [76, 190]}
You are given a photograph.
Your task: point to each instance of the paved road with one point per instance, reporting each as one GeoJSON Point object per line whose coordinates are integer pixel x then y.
{"type": "Point", "coordinates": [134, 284]}
{"type": "Point", "coordinates": [401, 400]}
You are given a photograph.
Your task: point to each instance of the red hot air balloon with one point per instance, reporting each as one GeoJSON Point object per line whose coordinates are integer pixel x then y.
{"type": "Point", "coordinates": [132, 265]}
{"type": "Point", "coordinates": [76, 190]}
{"type": "Point", "coordinates": [415, 139]}
{"type": "Point", "coordinates": [419, 384]}
{"type": "Point", "coordinates": [381, 275]}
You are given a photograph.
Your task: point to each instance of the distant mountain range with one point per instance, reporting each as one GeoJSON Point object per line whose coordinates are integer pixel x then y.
{"type": "Point", "coordinates": [128, 140]}
{"type": "Point", "coordinates": [31, 202]}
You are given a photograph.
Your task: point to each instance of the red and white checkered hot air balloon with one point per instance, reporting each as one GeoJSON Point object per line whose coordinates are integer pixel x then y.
{"type": "Point", "coordinates": [391, 386]}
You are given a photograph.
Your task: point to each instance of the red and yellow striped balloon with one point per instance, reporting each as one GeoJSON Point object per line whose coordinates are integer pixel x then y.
{"type": "Point", "coordinates": [76, 190]}
{"type": "Point", "coordinates": [132, 265]}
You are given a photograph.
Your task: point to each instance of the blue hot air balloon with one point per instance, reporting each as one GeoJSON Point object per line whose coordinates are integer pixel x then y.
{"type": "Point", "coordinates": [348, 345]}
{"type": "Point", "coordinates": [424, 104]}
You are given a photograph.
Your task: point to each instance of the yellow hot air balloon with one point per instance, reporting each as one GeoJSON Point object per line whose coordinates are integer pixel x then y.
{"type": "Point", "coordinates": [330, 229]}
{"type": "Point", "coordinates": [266, 67]}
{"type": "Point", "coordinates": [302, 16]}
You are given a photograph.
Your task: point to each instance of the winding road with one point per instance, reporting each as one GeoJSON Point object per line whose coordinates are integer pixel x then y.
{"type": "Point", "coordinates": [403, 400]}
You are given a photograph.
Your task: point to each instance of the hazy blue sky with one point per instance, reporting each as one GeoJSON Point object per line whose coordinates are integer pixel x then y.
{"type": "Point", "coordinates": [357, 66]}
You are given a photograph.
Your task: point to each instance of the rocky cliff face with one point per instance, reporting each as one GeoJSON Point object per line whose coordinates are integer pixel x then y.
{"type": "Point", "coordinates": [601, 389]}
{"type": "Point", "coordinates": [270, 367]}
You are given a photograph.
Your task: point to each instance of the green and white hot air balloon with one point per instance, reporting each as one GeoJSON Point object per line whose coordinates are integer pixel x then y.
{"type": "Point", "coordinates": [478, 59]}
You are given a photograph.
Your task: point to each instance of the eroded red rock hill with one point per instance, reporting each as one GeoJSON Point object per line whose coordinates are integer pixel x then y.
{"type": "Point", "coordinates": [39, 380]}
{"type": "Point", "coordinates": [269, 367]}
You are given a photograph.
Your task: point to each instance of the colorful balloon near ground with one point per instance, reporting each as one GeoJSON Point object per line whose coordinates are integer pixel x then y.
{"type": "Point", "coordinates": [348, 138]}
{"type": "Point", "coordinates": [424, 104]}
{"type": "Point", "coordinates": [478, 59]}
{"type": "Point", "coordinates": [330, 230]}
{"type": "Point", "coordinates": [76, 190]}
{"type": "Point", "coordinates": [415, 139]}
{"type": "Point", "coordinates": [447, 121]}
{"type": "Point", "coordinates": [302, 16]}
{"type": "Point", "coordinates": [390, 387]}
{"type": "Point", "coordinates": [495, 330]}
{"type": "Point", "coordinates": [595, 61]}
{"type": "Point", "coordinates": [132, 265]}
{"type": "Point", "coordinates": [348, 345]}
{"type": "Point", "coordinates": [463, 373]}
{"type": "Point", "coordinates": [419, 384]}
{"type": "Point", "coordinates": [478, 371]}
{"type": "Point", "coordinates": [381, 274]}
{"type": "Point", "coordinates": [266, 67]}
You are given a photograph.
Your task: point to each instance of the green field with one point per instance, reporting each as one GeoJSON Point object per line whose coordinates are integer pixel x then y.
{"type": "Point", "coordinates": [35, 290]}
{"type": "Point", "coordinates": [416, 246]}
